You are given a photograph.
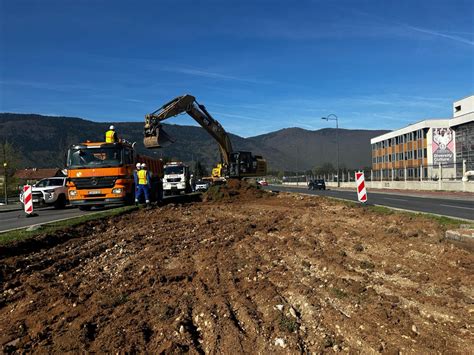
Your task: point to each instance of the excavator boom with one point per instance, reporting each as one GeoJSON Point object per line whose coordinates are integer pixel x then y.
{"type": "Point", "coordinates": [155, 136]}
{"type": "Point", "coordinates": [234, 164]}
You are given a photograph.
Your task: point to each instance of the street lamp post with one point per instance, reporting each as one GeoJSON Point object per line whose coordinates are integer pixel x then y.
{"type": "Point", "coordinates": [333, 117]}
{"type": "Point", "coordinates": [5, 182]}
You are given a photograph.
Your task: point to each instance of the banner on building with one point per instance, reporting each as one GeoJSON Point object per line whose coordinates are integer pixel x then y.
{"type": "Point", "coordinates": [443, 146]}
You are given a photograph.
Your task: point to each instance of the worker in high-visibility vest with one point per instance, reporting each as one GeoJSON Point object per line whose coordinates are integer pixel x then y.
{"type": "Point", "coordinates": [143, 184]}
{"type": "Point", "coordinates": [111, 136]}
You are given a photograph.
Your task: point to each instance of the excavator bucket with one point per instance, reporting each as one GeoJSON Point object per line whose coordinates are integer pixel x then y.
{"type": "Point", "coordinates": [160, 139]}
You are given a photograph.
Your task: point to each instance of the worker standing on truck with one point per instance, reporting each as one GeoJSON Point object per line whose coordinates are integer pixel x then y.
{"type": "Point", "coordinates": [111, 135]}
{"type": "Point", "coordinates": [142, 183]}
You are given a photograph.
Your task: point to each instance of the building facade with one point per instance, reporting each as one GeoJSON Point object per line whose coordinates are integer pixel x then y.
{"type": "Point", "coordinates": [430, 149]}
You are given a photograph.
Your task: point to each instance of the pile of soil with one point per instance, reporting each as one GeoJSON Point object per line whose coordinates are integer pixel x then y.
{"type": "Point", "coordinates": [284, 274]}
{"type": "Point", "coordinates": [235, 189]}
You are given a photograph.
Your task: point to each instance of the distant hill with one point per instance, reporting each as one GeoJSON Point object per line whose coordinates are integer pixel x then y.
{"type": "Point", "coordinates": [42, 141]}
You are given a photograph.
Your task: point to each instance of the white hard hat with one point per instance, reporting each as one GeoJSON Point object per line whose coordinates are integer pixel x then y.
{"type": "Point", "coordinates": [112, 127]}
{"type": "Point", "coordinates": [143, 165]}
{"type": "Point", "coordinates": [138, 165]}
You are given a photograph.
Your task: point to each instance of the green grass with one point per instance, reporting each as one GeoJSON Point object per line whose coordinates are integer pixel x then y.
{"type": "Point", "coordinates": [22, 234]}
{"type": "Point", "coordinates": [288, 324]}
{"type": "Point", "coordinates": [337, 292]}
{"type": "Point", "coordinates": [446, 222]}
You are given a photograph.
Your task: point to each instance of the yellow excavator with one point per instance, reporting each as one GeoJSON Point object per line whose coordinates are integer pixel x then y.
{"type": "Point", "coordinates": [234, 164]}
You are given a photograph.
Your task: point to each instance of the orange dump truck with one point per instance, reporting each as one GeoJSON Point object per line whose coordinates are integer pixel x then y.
{"type": "Point", "coordinates": [102, 174]}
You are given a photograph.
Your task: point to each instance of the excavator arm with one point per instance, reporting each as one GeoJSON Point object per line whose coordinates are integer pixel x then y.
{"type": "Point", "coordinates": [235, 164]}
{"type": "Point", "coordinates": [154, 134]}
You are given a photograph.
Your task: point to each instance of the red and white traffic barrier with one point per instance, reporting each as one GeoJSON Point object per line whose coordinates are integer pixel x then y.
{"type": "Point", "coordinates": [361, 191]}
{"type": "Point", "coordinates": [28, 199]}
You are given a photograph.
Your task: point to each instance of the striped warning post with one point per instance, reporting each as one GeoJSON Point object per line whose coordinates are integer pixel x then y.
{"type": "Point", "coordinates": [361, 192]}
{"type": "Point", "coordinates": [27, 199]}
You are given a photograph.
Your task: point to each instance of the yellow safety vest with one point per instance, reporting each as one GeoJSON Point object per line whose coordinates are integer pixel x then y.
{"type": "Point", "coordinates": [142, 180]}
{"type": "Point", "coordinates": [110, 136]}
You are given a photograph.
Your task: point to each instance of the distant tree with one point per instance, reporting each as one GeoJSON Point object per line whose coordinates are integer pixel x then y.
{"type": "Point", "coordinates": [166, 160]}
{"type": "Point", "coordinates": [200, 170]}
{"type": "Point", "coordinates": [272, 172]}
{"type": "Point", "coordinates": [10, 156]}
{"type": "Point", "coordinates": [326, 168]}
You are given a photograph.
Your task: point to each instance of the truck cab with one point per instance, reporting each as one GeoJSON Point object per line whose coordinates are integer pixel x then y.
{"type": "Point", "coordinates": [102, 174]}
{"type": "Point", "coordinates": [176, 179]}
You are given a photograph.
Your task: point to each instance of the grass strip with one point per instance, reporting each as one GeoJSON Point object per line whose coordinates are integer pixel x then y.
{"type": "Point", "coordinates": [22, 234]}
{"type": "Point", "coordinates": [444, 221]}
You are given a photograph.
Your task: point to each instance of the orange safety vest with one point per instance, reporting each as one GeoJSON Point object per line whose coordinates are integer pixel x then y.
{"type": "Point", "coordinates": [142, 177]}
{"type": "Point", "coordinates": [110, 136]}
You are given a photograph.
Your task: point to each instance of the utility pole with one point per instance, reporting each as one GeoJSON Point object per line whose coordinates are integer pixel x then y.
{"type": "Point", "coordinates": [333, 117]}
{"type": "Point", "coordinates": [296, 165]}
{"type": "Point", "coordinates": [5, 180]}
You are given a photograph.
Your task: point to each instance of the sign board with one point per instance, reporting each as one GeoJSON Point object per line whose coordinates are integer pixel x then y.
{"type": "Point", "coordinates": [28, 199]}
{"type": "Point", "coordinates": [361, 191]}
{"type": "Point", "coordinates": [443, 146]}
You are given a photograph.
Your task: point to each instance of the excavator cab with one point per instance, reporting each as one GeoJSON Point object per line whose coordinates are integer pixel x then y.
{"type": "Point", "coordinates": [245, 164]}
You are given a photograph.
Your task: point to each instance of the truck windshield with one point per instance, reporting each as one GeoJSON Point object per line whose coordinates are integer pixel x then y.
{"type": "Point", "coordinates": [49, 182]}
{"type": "Point", "coordinates": [173, 170]}
{"type": "Point", "coordinates": [94, 157]}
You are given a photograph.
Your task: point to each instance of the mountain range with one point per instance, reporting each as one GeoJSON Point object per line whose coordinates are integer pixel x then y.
{"type": "Point", "coordinates": [42, 141]}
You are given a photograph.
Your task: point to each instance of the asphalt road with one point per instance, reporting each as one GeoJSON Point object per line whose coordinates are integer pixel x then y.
{"type": "Point", "coordinates": [443, 206]}
{"type": "Point", "coordinates": [17, 218]}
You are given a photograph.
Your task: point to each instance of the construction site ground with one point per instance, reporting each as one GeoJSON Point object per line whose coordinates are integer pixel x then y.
{"type": "Point", "coordinates": [245, 271]}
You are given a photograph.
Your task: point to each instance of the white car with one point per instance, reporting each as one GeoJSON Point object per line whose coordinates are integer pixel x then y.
{"type": "Point", "coordinates": [49, 192]}
{"type": "Point", "coordinates": [202, 185]}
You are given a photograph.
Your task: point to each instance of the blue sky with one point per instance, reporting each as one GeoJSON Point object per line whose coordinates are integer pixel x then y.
{"type": "Point", "coordinates": [258, 66]}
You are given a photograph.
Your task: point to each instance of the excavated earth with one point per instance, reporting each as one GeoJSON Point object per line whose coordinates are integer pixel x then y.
{"type": "Point", "coordinates": [244, 272]}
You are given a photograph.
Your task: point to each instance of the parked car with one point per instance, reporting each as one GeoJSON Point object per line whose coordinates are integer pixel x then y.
{"type": "Point", "coordinates": [317, 184]}
{"type": "Point", "coordinates": [263, 183]}
{"type": "Point", "coordinates": [49, 192]}
{"type": "Point", "coordinates": [202, 185]}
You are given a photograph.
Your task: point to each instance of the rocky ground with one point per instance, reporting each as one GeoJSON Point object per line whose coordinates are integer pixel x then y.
{"type": "Point", "coordinates": [243, 272]}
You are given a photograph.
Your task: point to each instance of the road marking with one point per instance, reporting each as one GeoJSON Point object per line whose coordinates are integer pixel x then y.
{"type": "Point", "coordinates": [464, 208]}
{"type": "Point", "coordinates": [11, 219]}
{"type": "Point", "coordinates": [394, 199]}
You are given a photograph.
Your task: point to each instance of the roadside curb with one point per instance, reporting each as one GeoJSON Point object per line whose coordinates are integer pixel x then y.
{"type": "Point", "coordinates": [408, 193]}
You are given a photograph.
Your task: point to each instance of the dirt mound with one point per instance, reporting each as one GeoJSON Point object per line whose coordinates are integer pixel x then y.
{"type": "Point", "coordinates": [234, 189]}
{"type": "Point", "coordinates": [288, 274]}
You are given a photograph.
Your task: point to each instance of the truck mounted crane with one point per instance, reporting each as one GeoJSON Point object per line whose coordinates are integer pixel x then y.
{"type": "Point", "coordinates": [234, 164]}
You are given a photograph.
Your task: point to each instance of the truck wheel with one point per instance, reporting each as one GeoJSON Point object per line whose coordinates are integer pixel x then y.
{"type": "Point", "coordinates": [85, 208]}
{"type": "Point", "coordinates": [60, 202]}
